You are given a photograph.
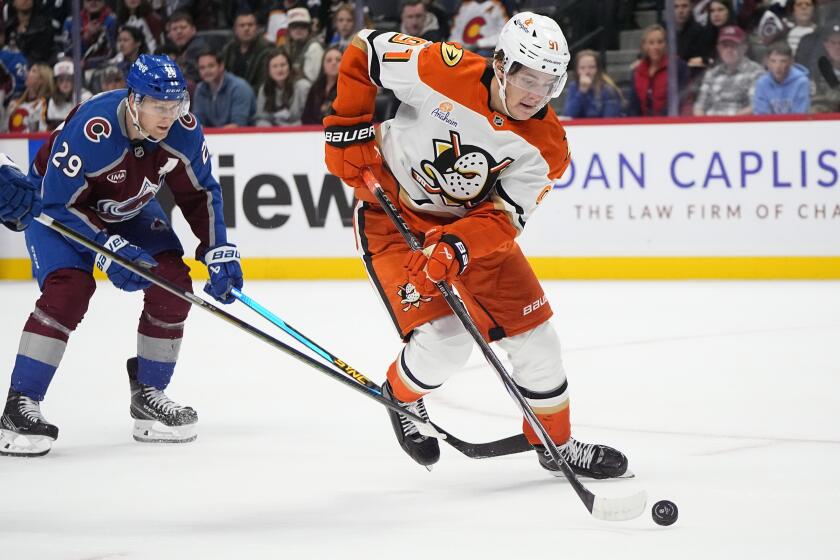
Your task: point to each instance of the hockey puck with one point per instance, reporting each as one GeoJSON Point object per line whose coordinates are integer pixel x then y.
{"type": "Point", "coordinates": [664, 513]}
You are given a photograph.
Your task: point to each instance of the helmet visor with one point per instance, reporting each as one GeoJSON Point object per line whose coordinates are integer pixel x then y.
{"type": "Point", "coordinates": [536, 83]}
{"type": "Point", "coordinates": [171, 108]}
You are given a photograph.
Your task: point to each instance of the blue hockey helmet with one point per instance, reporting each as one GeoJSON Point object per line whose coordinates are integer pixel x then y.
{"type": "Point", "coordinates": [156, 76]}
{"type": "Point", "coordinates": [157, 79]}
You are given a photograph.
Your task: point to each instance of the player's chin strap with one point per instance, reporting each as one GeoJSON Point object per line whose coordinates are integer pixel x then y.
{"type": "Point", "coordinates": [131, 107]}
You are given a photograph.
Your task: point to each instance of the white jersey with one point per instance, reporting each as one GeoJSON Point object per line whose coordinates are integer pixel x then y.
{"type": "Point", "coordinates": [478, 24]}
{"type": "Point", "coordinates": [448, 149]}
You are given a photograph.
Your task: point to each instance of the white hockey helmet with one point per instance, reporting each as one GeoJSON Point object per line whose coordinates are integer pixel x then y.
{"type": "Point", "coordinates": [536, 42]}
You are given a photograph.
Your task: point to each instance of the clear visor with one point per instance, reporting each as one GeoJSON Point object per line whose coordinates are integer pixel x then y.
{"type": "Point", "coordinates": [173, 109]}
{"type": "Point", "coordinates": [536, 83]}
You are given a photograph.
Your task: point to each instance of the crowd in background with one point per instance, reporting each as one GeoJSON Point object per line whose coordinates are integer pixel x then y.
{"type": "Point", "coordinates": [275, 62]}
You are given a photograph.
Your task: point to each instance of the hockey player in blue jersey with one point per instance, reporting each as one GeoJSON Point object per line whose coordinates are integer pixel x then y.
{"type": "Point", "coordinates": [100, 172]}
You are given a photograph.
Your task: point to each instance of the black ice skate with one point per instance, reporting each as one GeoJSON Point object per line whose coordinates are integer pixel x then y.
{"type": "Point", "coordinates": [590, 460]}
{"type": "Point", "coordinates": [24, 432]}
{"type": "Point", "coordinates": [423, 449]}
{"type": "Point", "coordinates": [157, 418]}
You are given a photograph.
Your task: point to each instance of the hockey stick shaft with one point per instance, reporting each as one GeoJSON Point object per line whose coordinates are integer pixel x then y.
{"type": "Point", "coordinates": [261, 310]}
{"type": "Point", "coordinates": [178, 292]}
{"type": "Point", "coordinates": [460, 311]}
{"type": "Point", "coordinates": [506, 446]}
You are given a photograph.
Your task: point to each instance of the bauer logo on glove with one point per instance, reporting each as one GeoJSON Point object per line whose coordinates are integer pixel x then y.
{"type": "Point", "coordinates": [343, 136]}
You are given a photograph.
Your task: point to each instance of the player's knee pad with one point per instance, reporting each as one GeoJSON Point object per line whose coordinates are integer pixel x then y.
{"type": "Point", "coordinates": [434, 352]}
{"type": "Point", "coordinates": [538, 365]}
{"type": "Point", "coordinates": [65, 295]}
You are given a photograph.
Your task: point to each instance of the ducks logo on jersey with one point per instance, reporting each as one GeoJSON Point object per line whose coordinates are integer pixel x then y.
{"type": "Point", "coordinates": [461, 174]}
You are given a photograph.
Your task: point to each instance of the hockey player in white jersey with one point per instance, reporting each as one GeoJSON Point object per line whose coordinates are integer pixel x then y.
{"type": "Point", "coordinates": [472, 151]}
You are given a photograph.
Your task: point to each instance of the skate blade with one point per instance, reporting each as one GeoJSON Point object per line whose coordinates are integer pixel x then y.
{"type": "Point", "coordinates": [19, 445]}
{"type": "Point", "coordinates": [627, 474]}
{"type": "Point", "coordinates": [152, 431]}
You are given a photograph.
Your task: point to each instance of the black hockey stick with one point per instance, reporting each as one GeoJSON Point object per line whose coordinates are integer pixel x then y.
{"type": "Point", "coordinates": [424, 427]}
{"type": "Point", "coordinates": [607, 509]}
{"type": "Point", "coordinates": [507, 446]}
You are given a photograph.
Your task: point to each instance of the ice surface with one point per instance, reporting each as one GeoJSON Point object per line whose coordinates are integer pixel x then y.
{"type": "Point", "coordinates": [725, 395]}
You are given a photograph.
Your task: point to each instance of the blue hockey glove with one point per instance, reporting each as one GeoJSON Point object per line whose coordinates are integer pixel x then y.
{"type": "Point", "coordinates": [225, 273]}
{"type": "Point", "coordinates": [20, 200]}
{"type": "Point", "coordinates": [120, 276]}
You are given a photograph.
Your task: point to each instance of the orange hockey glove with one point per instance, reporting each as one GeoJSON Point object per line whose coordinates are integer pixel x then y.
{"type": "Point", "coordinates": [444, 256]}
{"type": "Point", "coordinates": [351, 145]}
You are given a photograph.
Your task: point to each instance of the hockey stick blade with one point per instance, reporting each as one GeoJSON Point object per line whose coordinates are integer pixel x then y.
{"type": "Point", "coordinates": [505, 446]}
{"type": "Point", "coordinates": [619, 509]}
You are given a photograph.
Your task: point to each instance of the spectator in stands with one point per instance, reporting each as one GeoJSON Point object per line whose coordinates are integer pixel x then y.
{"type": "Point", "coordinates": [477, 25]}
{"type": "Point", "coordinates": [592, 94]}
{"type": "Point", "coordinates": [827, 78]}
{"type": "Point", "coordinates": [13, 69]}
{"type": "Point", "coordinates": [785, 87]}
{"type": "Point", "coordinates": [28, 113]}
{"type": "Point", "coordinates": [221, 99]}
{"type": "Point", "coordinates": [690, 36]}
{"type": "Point", "coordinates": [344, 26]}
{"type": "Point", "coordinates": [62, 99]}
{"type": "Point", "coordinates": [719, 16]}
{"type": "Point", "coordinates": [305, 49]}
{"type": "Point", "coordinates": [139, 14]}
{"type": "Point", "coordinates": [649, 83]}
{"type": "Point", "coordinates": [323, 91]}
{"type": "Point", "coordinates": [131, 43]}
{"type": "Point", "coordinates": [99, 33]}
{"type": "Point", "coordinates": [29, 32]}
{"type": "Point", "coordinates": [417, 21]}
{"type": "Point", "coordinates": [204, 13]}
{"type": "Point", "coordinates": [281, 98]}
{"type": "Point", "coordinates": [182, 32]}
{"type": "Point", "coordinates": [277, 26]}
{"type": "Point", "coordinates": [745, 16]}
{"type": "Point", "coordinates": [801, 21]}
{"type": "Point", "coordinates": [728, 88]}
{"type": "Point", "coordinates": [246, 54]}
{"type": "Point", "coordinates": [111, 78]}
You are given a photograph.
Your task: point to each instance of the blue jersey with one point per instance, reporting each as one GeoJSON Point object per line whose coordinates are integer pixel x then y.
{"type": "Point", "coordinates": [14, 76]}
{"type": "Point", "coordinates": [92, 175]}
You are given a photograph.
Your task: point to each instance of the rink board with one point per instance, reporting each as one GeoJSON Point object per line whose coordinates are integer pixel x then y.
{"type": "Point", "coordinates": [743, 198]}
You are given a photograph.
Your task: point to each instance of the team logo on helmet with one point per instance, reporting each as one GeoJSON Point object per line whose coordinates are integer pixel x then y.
{"type": "Point", "coordinates": [461, 174]}
{"type": "Point", "coordinates": [452, 53]}
{"type": "Point", "coordinates": [97, 128]}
